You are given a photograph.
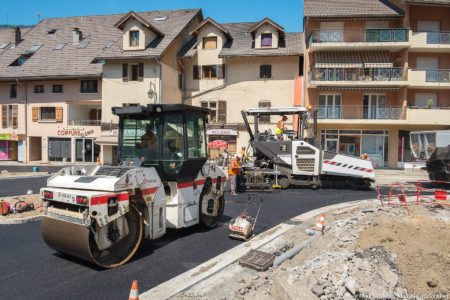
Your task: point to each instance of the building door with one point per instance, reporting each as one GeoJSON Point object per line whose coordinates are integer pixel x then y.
{"type": "Point", "coordinates": [431, 66]}
{"type": "Point", "coordinates": [374, 106]}
{"type": "Point", "coordinates": [329, 106]}
{"type": "Point", "coordinates": [373, 145]}
{"type": "Point", "coordinates": [432, 29]}
{"type": "Point", "coordinates": [85, 151]}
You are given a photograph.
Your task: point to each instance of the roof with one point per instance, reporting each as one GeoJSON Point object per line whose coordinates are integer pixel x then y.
{"type": "Point", "coordinates": [100, 38]}
{"type": "Point", "coordinates": [120, 24]}
{"type": "Point", "coordinates": [213, 22]}
{"type": "Point", "coordinates": [264, 21]}
{"type": "Point", "coordinates": [170, 27]}
{"type": "Point", "coordinates": [242, 43]}
{"type": "Point", "coordinates": [433, 2]}
{"type": "Point", "coordinates": [69, 62]}
{"type": "Point", "coordinates": [350, 8]}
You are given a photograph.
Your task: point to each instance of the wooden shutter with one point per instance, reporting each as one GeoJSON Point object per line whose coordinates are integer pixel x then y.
{"type": "Point", "coordinates": [14, 116]}
{"type": "Point", "coordinates": [196, 73]}
{"type": "Point", "coordinates": [210, 43]}
{"type": "Point", "coordinates": [4, 116]}
{"type": "Point", "coordinates": [262, 71]}
{"type": "Point", "coordinates": [220, 71]}
{"type": "Point", "coordinates": [124, 72]}
{"type": "Point", "coordinates": [141, 72]}
{"type": "Point", "coordinates": [268, 71]}
{"type": "Point", "coordinates": [35, 114]}
{"type": "Point", "coordinates": [59, 114]}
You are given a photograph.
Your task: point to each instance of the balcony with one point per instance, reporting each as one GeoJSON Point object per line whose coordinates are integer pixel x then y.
{"type": "Point", "coordinates": [365, 77]}
{"type": "Point", "coordinates": [360, 113]}
{"type": "Point", "coordinates": [370, 39]}
{"type": "Point", "coordinates": [85, 122]}
{"type": "Point", "coordinates": [429, 79]}
{"type": "Point", "coordinates": [429, 116]}
{"type": "Point", "coordinates": [430, 41]}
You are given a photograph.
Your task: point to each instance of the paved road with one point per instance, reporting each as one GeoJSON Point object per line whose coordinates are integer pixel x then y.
{"type": "Point", "coordinates": [20, 186]}
{"type": "Point", "coordinates": [31, 270]}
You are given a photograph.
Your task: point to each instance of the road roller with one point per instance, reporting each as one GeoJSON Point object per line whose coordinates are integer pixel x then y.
{"type": "Point", "coordinates": [162, 179]}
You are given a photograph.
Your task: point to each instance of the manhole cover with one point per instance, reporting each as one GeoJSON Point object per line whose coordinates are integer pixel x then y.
{"type": "Point", "coordinates": [257, 260]}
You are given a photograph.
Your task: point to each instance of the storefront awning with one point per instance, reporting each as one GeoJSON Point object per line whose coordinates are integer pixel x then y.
{"type": "Point", "coordinates": [353, 59]}
{"type": "Point", "coordinates": [107, 140]}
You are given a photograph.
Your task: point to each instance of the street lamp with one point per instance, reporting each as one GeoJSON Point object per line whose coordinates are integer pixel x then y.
{"type": "Point", "coordinates": [151, 91]}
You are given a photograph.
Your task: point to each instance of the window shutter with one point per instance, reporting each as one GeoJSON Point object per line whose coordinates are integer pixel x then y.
{"type": "Point", "coordinates": [220, 71]}
{"type": "Point", "coordinates": [262, 72]}
{"type": "Point", "coordinates": [141, 72]}
{"type": "Point", "coordinates": [196, 73]}
{"type": "Point", "coordinates": [124, 72]}
{"type": "Point", "coordinates": [269, 71]}
{"type": "Point", "coordinates": [59, 114]}
{"type": "Point", "coordinates": [4, 116]}
{"type": "Point", "coordinates": [35, 114]}
{"type": "Point", "coordinates": [93, 114]}
{"type": "Point", "coordinates": [222, 112]}
{"type": "Point", "coordinates": [14, 116]}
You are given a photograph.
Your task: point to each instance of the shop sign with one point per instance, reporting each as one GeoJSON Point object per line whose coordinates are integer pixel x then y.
{"type": "Point", "coordinates": [4, 137]}
{"type": "Point", "coordinates": [74, 132]}
{"type": "Point", "coordinates": [221, 132]}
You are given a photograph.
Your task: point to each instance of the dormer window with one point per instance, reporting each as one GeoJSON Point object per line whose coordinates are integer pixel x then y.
{"type": "Point", "coordinates": [266, 40]}
{"type": "Point", "coordinates": [210, 43]}
{"type": "Point", "coordinates": [134, 38]}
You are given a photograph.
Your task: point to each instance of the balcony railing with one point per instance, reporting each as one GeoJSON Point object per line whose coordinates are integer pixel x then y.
{"type": "Point", "coordinates": [356, 74]}
{"type": "Point", "coordinates": [441, 76]}
{"type": "Point", "coordinates": [394, 35]}
{"type": "Point", "coordinates": [437, 37]}
{"type": "Point", "coordinates": [86, 122]}
{"type": "Point", "coordinates": [361, 112]}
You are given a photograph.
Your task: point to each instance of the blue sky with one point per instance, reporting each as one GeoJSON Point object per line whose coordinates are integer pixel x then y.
{"type": "Point", "coordinates": [288, 13]}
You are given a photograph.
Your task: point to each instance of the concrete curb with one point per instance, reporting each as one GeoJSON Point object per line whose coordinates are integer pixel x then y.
{"type": "Point", "coordinates": [27, 176]}
{"type": "Point", "coordinates": [194, 276]}
{"type": "Point", "coordinates": [21, 221]}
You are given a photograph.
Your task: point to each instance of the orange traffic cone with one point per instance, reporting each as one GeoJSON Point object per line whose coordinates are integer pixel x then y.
{"type": "Point", "coordinates": [319, 225]}
{"type": "Point", "coordinates": [134, 293]}
{"type": "Point", "coordinates": [97, 162]}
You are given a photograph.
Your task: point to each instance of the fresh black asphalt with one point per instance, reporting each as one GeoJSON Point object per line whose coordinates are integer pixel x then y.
{"type": "Point", "coordinates": [31, 270]}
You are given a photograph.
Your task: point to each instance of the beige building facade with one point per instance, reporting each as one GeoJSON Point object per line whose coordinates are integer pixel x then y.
{"type": "Point", "coordinates": [377, 73]}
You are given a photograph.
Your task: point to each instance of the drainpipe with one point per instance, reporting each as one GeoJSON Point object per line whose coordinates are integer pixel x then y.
{"type": "Point", "coordinates": [160, 80]}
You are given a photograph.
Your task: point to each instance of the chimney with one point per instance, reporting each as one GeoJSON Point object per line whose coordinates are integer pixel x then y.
{"type": "Point", "coordinates": [16, 36]}
{"type": "Point", "coordinates": [77, 36]}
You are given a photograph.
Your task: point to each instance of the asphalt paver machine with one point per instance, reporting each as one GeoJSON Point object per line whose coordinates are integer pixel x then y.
{"type": "Point", "coordinates": [101, 213]}
{"type": "Point", "coordinates": [294, 160]}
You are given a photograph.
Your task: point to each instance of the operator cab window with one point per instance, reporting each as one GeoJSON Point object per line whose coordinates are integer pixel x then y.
{"type": "Point", "coordinates": [173, 147]}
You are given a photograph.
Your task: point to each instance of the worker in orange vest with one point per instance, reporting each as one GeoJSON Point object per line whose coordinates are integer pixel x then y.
{"type": "Point", "coordinates": [233, 170]}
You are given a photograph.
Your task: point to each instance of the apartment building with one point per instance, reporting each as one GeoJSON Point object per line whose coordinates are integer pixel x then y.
{"type": "Point", "coordinates": [229, 67]}
{"type": "Point", "coordinates": [376, 71]}
{"type": "Point", "coordinates": [141, 66]}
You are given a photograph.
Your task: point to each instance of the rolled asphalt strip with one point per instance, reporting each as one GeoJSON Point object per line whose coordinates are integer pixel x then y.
{"type": "Point", "coordinates": [217, 264]}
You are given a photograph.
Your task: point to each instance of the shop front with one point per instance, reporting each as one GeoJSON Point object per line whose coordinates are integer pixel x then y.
{"type": "Point", "coordinates": [73, 144]}
{"type": "Point", "coordinates": [11, 147]}
{"type": "Point", "coordinates": [227, 135]}
{"type": "Point", "coordinates": [357, 142]}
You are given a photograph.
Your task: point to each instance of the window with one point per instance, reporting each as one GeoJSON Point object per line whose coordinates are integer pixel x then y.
{"type": "Point", "coordinates": [134, 72]}
{"type": "Point", "coordinates": [266, 40]}
{"type": "Point", "coordinates": [21, 60]}
{"type": "Point", "coordinates": [60, 46]}
{"type": "Point", "coordinates": [209, 72]}
{"type": "Point", "coordinates": [134, 38]}
{"type": "Point", "coordinates": [218, 110]}
{"type": "Point", "coordinates": [173, 147]}
{"type": "Point", "coordinates": [265, 71]}
{"type": "Point", "coordinates": [330, 107]}
{"type": "Point", "coordinates": [13, 91]}
{"type": "Point", "coordinates": [196, 136]}
{"type": "Point", "coordinates": [58, 88]}
{"type": "Point", "coordinates": [38, 89]}
{"type": "Point", "coordinates": [264, 104]}
{"type": "Point", "coordinates": [89, 86]}
{"type": "Point", "coordinates": [9, 116]}
{"type": "Point", "coordinates": [47, 113]}
{"type": "Point", "coordinates": [180, 81]}
{"type": "Point", "coordinates": [95, 114]}
{"type": "Point", "coordinates": [210, 43]}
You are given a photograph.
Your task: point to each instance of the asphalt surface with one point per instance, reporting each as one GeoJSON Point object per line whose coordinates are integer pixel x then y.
{"type": "Point", "coordinates": [29, 168]}
{"type": "Point", "coordinates": [20, 186]}
{"type": "Point", "coordinates": [31, 270]}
